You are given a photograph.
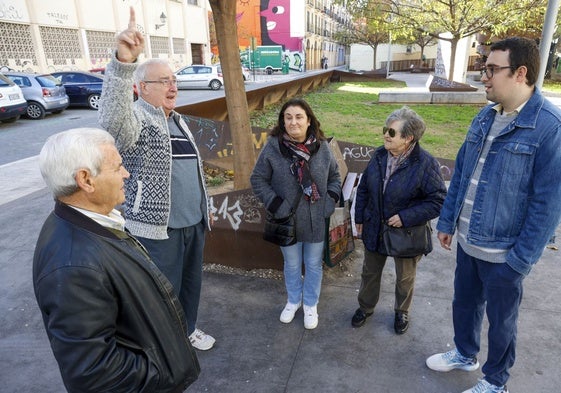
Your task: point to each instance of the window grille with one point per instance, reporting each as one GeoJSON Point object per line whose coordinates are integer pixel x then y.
{"type": "Point", "coordinates": [62, 46]}
{"type": "Point", "coordinates": [16, 46]}
{"type": "Point", "coordinates": [179, 46]}
{"type": "Point", "coordinates": [159, 45]}
{"type": "Point", "coordinates": [101, 44]}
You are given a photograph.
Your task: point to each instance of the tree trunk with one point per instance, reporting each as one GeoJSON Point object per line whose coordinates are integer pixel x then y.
{"type": "Point", "coordinates": [224, 15]}
{"type": "Point", "coordinates": [375, 47]}
{"type": "Point", "coordinates": [453, 48]}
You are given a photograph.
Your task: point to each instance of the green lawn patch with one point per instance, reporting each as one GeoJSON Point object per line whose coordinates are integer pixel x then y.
{"type": "Point", "coordinates": [350, 112]}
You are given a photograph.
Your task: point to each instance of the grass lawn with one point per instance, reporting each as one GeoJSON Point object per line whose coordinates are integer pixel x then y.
{"type": "Point", "coordinates": [552, 86]}
{"type": "Point", "coordinates": [350, 112]}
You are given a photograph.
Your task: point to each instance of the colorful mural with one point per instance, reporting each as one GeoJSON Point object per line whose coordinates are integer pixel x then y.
{"type": "Point", "coordinates": [274, 22]}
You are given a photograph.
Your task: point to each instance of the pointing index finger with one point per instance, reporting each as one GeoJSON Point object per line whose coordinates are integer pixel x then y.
{"type": "Point", "coordinates": [132, 19]}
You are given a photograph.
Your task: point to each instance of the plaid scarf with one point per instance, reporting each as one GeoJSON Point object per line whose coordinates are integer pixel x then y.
{"type": "Point", "coordinates": [395, 162]}
{"type": "Point", "coordinates": [301, 153]}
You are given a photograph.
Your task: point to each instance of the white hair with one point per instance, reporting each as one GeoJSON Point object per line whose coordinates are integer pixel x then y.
{"type": "Point", "coordinates": [140, 72]}
{"type": "Point", "coordinates": [65, 153]}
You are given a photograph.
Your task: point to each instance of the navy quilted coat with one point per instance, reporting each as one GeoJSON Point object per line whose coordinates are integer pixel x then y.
{"type": "Point", "coordinates": [415, 191]}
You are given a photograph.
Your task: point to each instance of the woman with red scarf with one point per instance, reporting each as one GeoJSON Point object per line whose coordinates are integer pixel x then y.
{"type": "Point", "coordinates": [296, 169]}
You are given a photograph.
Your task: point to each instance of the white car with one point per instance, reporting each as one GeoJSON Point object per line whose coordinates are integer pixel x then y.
{"type": "Point", "coordinates": [12, 102]}
{"type": "Point", "coordinates": [199, 76]}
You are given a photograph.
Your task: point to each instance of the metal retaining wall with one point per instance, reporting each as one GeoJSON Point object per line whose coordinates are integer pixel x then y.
{"type": "Point", "coordinates": [259, 98]}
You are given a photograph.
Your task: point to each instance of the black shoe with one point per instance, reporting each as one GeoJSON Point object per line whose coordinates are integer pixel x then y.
{"type": "Point", "coordinates": [360, 317]}
{"type": "Point", "coordinates": [401, 322]}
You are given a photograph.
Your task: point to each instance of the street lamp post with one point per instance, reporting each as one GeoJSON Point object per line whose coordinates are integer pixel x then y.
{"type": "Point", "coordinates": [547, 35]}
{"type": "Point", "coordinates": [163, 20]}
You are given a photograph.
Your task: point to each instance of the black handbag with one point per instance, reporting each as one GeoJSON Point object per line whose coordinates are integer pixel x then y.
{"type": "Point", "coordinates": [406, 242]}
{"type": "Point", "coordinates": [281, 231]}
{"type": "Point", "coordinates": [403, 242]}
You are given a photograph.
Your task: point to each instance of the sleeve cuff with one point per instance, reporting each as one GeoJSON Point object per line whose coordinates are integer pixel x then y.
{"type": "Point", "coordinates": [275, 204]}
{"type": "Point", "coordinates": [333, 195]}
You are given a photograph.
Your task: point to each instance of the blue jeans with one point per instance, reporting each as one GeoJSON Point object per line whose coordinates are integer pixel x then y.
{"type": "Point", "coordinates": [497, 289]}
{"type": "Point", "coordinates": [307, 289]}
{"type": "Point", "coordinates": [180, 258]}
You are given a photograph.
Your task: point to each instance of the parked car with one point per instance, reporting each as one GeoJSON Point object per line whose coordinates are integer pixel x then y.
{"type": "Point", "coordinates": [12, 102]}
{"type": "Point", "coordinates": [98, 70]}
{"type": "Point", "coordinates": [83, 88]}
{"type": "Point", "coordinates": [102, 72]}
{"type": "Point", "coordinates": [43, 92]}
{"type": "Point", "coordinates": [246, 73]}
{"type": "Point", "coordinates": [199, 76]}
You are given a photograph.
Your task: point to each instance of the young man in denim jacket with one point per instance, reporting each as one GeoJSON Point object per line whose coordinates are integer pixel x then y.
{"type": "Point", "coordinates": [503, 200]}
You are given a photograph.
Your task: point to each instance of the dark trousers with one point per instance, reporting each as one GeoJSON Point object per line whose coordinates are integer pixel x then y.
{"type": "Point", "coordinates": [369, 292]}
{"type": "Point", "coordinates": [180, 258]}
{"type": "Point", "coordinates": [495, 288]}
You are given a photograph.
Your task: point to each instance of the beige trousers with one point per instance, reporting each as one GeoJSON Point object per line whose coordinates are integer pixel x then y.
{"type": "Point", "coordinates": [373, 265]}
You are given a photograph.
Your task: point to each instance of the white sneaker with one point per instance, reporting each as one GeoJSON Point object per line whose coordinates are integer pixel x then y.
{"type": "Point", "coordinates": [287, 315]}
{"type": "Point", "coordinates": [201, 341]}
{"type": "Point", "coordinates": [310, 317]}
{"type": "Point", "coordinates": [485, 387]}
{"type": "Point", "coordinates": [451, 360]}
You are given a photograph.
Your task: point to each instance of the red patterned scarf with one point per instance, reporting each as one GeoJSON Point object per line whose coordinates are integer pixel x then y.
{"type": "Point", "coordinates": [301, 153]}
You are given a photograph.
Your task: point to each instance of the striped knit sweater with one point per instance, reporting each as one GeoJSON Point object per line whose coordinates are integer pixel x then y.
{"type": "Point", "coordinates": [142, 137]}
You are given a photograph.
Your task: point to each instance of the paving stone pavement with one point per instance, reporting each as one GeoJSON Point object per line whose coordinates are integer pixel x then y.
{"type": "Point", "coordinates": [256, 353]}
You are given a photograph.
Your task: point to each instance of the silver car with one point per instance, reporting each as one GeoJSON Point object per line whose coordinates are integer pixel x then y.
{"type": "Point", "coordinates": [43, 92]}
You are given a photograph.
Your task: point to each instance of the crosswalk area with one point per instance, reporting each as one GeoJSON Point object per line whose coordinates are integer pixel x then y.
{"type": "Point", "coordinates": [20, 178]}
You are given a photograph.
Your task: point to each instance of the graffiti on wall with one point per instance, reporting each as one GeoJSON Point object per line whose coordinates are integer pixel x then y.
{"type": "Point", "coordinates": [241, 209]}
{"type": "Point", "coordinates": [234, 209]}
{"type": "Point", "coordinates": [10, 12]}
{"type": "Point", "coordinates": [273, 22]}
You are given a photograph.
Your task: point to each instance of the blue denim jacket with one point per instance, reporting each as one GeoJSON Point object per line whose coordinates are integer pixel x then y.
{"type": "Point", "coordinates": [518, 201]}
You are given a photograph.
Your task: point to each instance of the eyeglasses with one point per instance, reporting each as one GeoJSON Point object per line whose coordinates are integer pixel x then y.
{"type": "Point", "coordinates": [165, 82]}
{"type": "Point", "coordinates": [389, 130]}
{"type": "Point", "coordinates": [490, 71]}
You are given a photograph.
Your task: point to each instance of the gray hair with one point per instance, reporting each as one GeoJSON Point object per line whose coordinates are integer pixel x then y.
{"type": "Point", "coordinates": [413, 124]}
{"type": "Point", "coordinates": [65, 153]}
{"type": "Point", "coordinates": [140, 72]}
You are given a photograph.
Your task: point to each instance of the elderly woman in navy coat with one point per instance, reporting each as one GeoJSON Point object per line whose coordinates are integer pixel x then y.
{"type": "Point", "coordinates": [408, 179]}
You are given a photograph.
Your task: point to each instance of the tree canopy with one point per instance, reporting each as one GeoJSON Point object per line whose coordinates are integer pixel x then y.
{"type": "Point", "coordinates": [409, 19]}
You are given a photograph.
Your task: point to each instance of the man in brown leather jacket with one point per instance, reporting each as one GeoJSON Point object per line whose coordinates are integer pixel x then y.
{"type": "Point", "coordinates": [112, 318]}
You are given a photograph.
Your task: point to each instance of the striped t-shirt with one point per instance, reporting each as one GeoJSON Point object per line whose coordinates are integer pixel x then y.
{"type": "Point", "coordinates": [497, 255]}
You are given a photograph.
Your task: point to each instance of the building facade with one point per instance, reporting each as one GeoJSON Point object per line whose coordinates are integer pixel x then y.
{"type": "Point", "coordinates": [324, 20]}
{"type": "Point", "coordinates": [48, 36]}
{"type": "Point", "coordinates": [306, 29]}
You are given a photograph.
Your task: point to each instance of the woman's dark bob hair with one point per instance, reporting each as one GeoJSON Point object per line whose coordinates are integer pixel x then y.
{"type": "Point", "coordinates": [314, 127]}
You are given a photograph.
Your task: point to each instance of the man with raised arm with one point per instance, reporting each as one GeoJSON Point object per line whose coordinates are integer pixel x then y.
{"type": "Point", "coordinates": [166, 205]}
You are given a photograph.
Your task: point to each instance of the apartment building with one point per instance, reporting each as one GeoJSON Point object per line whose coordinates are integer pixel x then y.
{"type": "Point", "coordinates": [306, 29]}
{"type": "Point", "coordinates": [46, 36]}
